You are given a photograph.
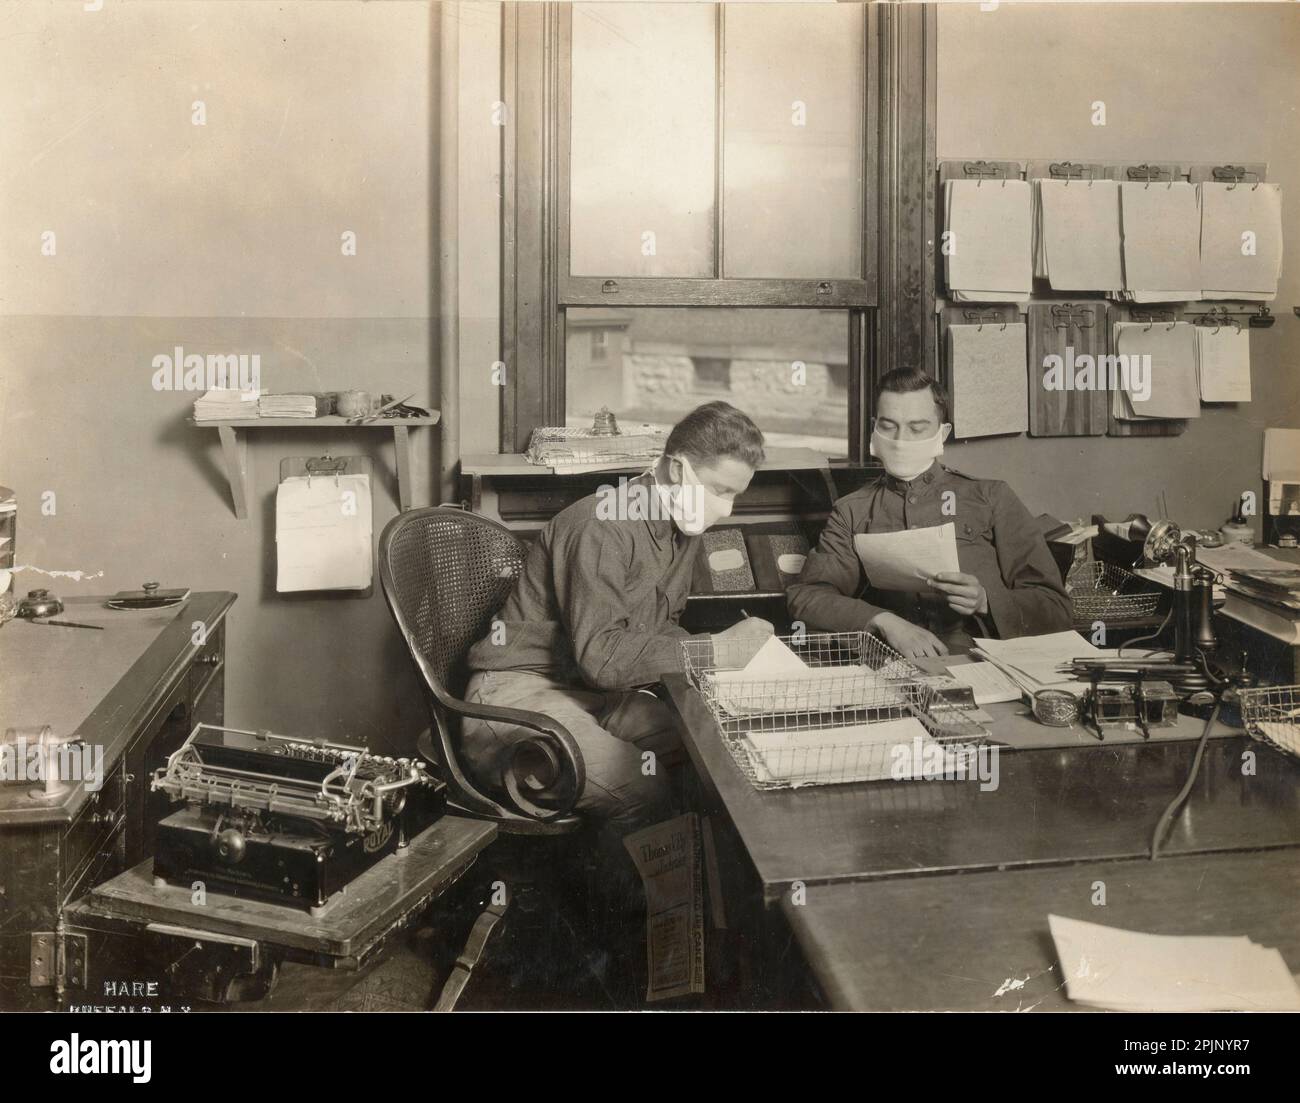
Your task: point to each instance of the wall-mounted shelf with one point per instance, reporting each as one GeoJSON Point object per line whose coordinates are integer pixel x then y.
{"type": "Point", "coordinates": [234, 447]}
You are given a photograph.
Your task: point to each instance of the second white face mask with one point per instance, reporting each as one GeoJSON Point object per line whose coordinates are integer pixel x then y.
{"type": "Point", "coordinates": [692, 505]}
{"type": "Point", "coordinates": [906, 459]}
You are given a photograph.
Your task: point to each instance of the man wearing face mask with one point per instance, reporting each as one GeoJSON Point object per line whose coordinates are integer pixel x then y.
{"type": "Point", "coordinates": [592, 623]}
{"type": "Point", "coordinates": [1008, 584]}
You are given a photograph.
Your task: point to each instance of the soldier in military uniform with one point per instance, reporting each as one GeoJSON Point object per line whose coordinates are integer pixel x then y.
{"type": "Point", "coordinates": [1008, 584]}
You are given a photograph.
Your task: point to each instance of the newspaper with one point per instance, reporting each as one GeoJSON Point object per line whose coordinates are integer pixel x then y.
{"type": "Point", "coordinates": [667, 857]}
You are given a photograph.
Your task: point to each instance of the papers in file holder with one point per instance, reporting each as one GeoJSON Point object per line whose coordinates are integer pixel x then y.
{"type": "Point", "coordinates": [323, 525]}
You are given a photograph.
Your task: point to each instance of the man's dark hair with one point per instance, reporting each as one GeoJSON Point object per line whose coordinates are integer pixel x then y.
{"type": "Point", "coordinates": [906, 380]}
{"type": "Point", "coordinates": [716, 429]}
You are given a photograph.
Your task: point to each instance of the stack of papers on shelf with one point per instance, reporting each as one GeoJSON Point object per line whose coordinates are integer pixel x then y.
{"type": "Point", "coordinates": [1034, 662]}
{"type": "Point", "coordinates": [226, 405]}
{"type": "Point", "coordinates": [292, 405]}
{"type": "Point", "coordinates": [1077, 243]}
{"type": "Point", "coordinates": [1131, 971]}
{"type": "Point", "coordinates": [990, 391]}
{"type": "Point", "coordinates": [1161, 379]}
{"type": "Point", "coordinates": [1223, 363]}
{"type": "Point", "coordinates": [988, 254]}
{"type": "Point", "coordinates": [1241, 241]}
{"type": "Point", "coordinates": [1161, 224]}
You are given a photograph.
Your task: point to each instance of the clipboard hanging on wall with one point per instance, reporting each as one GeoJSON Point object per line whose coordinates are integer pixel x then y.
{"type": "Point", "coordinates": [985, 231]}
{"type": "Point", "coordinates": [1166, 320]}
{"type": "Point", "coordinates": [984, 369]}
{"type": "Point", "coordinates": [324, 526]}
{"type": "Point", "coordinates": [1077, 335]}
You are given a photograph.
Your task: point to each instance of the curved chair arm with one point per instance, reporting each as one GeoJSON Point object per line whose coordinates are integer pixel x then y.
{"type": "Point", "coordinates": [551, 751]}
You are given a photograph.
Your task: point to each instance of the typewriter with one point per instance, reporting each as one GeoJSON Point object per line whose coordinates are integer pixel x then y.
{"type": "Point", "coordinates": [284, 820]}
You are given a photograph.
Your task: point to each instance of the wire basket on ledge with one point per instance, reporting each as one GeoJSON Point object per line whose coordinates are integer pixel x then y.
{"type": "Point", "coordinates": [1272, 714]}
{"type": "Point", "coordinates": [859, 712]}
{"type": "Point", "coordinates": [1102, 591]}
{"type": "Point", "coordinates": [559, 446]}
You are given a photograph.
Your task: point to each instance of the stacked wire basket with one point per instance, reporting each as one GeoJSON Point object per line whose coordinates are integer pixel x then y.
{"type": "Point", "coordinates": [814, 727]}
{"type": "Point", "coordinates": [1272, 714]}
{"type": "Point", "coordinates": [1105, 592]}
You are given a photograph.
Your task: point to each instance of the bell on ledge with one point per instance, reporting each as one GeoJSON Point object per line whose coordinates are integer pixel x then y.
{"type": "Point", "coordinates": [605, 424]}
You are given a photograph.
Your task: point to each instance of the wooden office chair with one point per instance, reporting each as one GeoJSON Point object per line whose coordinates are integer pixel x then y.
{"type": "Point", "coordinates": [445, 575]}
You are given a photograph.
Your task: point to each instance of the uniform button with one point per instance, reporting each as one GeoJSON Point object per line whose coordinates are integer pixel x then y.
{"type": "Point", "coordinates": [928, 478]}
{"type": "Point", "coordinates": [911, 497]}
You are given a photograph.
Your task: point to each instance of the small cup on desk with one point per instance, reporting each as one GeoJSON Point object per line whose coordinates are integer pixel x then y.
{"type": "Point", "coordinates": [355, 403]}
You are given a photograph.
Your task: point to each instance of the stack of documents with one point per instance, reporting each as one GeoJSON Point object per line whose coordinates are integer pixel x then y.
{"type": "Point", "coordinates": [1241, 241]}
{"type": "Point", "coordinates": [226, 405]}
{"type": "Point", "coordinates": [990, 391]}
{"type": "Point", "coordinates": [1034, 662]}
{"type": "Point", "coordinates": [990, 683]}
{"type": "Point", "coordinates": [1223, 363]}
{"type": "Point", "coordinates": [1131, 971]}
{"type": "Point", "coordinates": [860, 752]}
{"type": "Point", "coordinates": [988, 245]}
{"type": "Point", "coordinates": [1158, 371]}
{"type": "Point", "coordinates": [322, 533]}
{"type": "Point", "coordinates": [1162, 241]}
{"type": "Point", "coordinates": [1077, 243]}
{"type": "Point", "coordinates": [292, 405]}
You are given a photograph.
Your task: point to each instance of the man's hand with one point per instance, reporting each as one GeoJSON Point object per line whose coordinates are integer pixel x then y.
{"type": "Point", "coordinates": [908, 639]}
{"type": "Point", "coordinates": [966, 594]}
{"type": "Point", "coordinates": [734, 647]}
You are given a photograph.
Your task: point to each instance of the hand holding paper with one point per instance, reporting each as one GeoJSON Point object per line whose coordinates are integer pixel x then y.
{"type": "Point", "coordinates": [907, 560]}
{"type": "Point", "coordinates": [966, 594]}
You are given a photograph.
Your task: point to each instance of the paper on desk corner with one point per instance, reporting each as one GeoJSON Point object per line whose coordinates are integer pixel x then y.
{"type": "Point", "coordinates": [907, 560]}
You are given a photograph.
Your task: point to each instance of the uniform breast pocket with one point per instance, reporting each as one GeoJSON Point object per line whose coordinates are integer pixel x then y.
{"type": "Point", "coordinates": [974, 527]}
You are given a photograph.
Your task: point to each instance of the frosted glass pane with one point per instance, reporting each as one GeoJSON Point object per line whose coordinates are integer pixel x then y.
{"type": "Point", "coordinates": [792, 140]}
{"type": "Point", "coordinates": [643, 140]}
{"type": "Point", "coordinates": [787, 369]}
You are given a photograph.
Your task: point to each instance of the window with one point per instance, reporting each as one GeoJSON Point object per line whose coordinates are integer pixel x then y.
{"type": "Point", "coordinates": [788, 369]}
{"type": "Point", "coordinates": [687, 159]}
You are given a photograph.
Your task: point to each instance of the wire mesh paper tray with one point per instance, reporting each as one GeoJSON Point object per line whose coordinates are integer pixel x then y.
{"type": "Point", "coordinates": [1272, 714]}
{"type": "Point", "coordinates": [1103, 591]}
{"type": "Point", "coordinates": [860, 713]}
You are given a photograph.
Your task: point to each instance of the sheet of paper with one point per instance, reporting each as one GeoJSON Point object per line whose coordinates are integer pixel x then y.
{"type": "Point", "coordinates": [1079, 227]}
{"type": "Point", "coordinates": [667, 857]}
{"type": "Point", "coordinates": [861, 752]}
{"type": "Point", "coordinates": [1033, 662]}
{"type": "Point", "coordinates": [990, 228]}
{"type": "Point", "coordinates": [813, 689]}
{"type": "Point", "coordinates": [990, 388]}
{"type": "Point", "coordinates": [1162, 240]}
{"type": "Point", "coordinates": [322, 533]}
{"type": "Point", "coordinates": [1223, 363]}
{"type": "Point", "coordinates": [906, 560]}
{"type": "Point", "coordinates": [989, 683]}
{"type": "Point", "coordinates": [1132, 971]}
{"type": "Point", "coordinates": [1282, 454]}
{"type": "Point", "coordinates": [774, 658]}
{"type": "Point", "coordinates": [1170, 371]}
{"type": "Point", "coordinates": [1241, 239]}
{"type": "Point", "coordinates": [1238, 557]}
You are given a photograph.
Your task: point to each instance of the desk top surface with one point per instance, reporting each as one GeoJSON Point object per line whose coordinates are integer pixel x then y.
{"type": "Point", "coordinates": [97, 685]}
{"type": "Point", "coordinates": [952, 943]}
{"type": "Point", "coordinates": [1050, 807]}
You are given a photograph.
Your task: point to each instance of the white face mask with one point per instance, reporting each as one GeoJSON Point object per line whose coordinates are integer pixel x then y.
{"type": "Point", "coordinates": [906, 459]}
{"type": "Point", "coordinates": [692, 505]}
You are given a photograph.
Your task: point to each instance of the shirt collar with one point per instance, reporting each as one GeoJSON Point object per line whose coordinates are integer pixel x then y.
{"type": "Point", "coordinates": [661, 529]}
{"type": "Point", "coordinates": [933, 474]}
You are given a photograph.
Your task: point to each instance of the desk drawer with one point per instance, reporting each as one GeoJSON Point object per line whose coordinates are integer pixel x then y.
{"type": "Point", "coordinates": [86, 837]}
{"type": "Point", "coordinates": [207, 666]}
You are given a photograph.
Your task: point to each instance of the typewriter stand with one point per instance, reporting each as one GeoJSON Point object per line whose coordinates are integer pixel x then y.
{"type": "Point", "coordinates": [225, 949]}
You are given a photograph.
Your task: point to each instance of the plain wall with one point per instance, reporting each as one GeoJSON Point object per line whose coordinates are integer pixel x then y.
{"type": "Point", "coordinates": [219, 238]}
{"type": "Point", "coordinates": [1213, 83]}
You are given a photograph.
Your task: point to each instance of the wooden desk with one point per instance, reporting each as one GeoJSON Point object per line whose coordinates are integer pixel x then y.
{"type": "Point", "coordinates": [137, 689]}
{"type": "Point", "coordinates": [950, 943]}
{"type": "Point", "coordinates": [1052, 807]}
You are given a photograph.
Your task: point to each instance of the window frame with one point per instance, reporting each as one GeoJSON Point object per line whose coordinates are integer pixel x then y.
{"type": "Point", "coordinates": [538, 288]}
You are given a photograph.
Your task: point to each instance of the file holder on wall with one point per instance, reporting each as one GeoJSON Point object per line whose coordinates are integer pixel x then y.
{"type": "Point", "coordinates": [1163, 427]}
{"type": "Point", "coordinates": [327, 467]}
{"type": "Point", "coordinates": [1070, 331]}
